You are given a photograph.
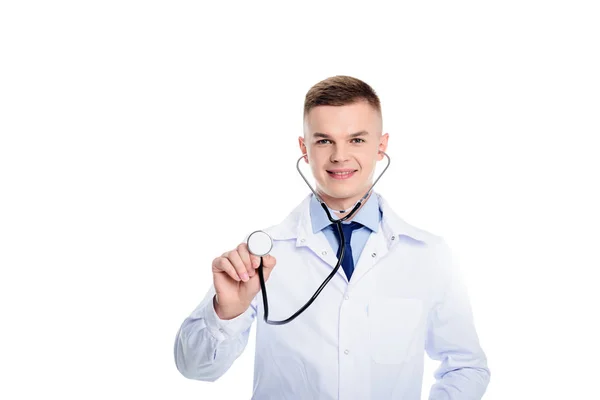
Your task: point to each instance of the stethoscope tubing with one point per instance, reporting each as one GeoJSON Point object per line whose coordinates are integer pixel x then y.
{"type": "Point", "coordinates": [340, 255]}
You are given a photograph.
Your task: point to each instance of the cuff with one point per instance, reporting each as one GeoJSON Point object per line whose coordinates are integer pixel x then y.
{"type": "Point", "coordinates": [223, 329]}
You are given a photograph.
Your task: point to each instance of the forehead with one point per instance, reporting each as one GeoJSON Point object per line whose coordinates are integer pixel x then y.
{"type": "Point", "coordinates": [341, 120]}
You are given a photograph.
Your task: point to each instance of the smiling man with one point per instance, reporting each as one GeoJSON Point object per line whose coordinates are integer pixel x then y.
{"type": "Point", "coordinates": [396, 297]}
{"type": "Point", "coordinates": [342, 141]}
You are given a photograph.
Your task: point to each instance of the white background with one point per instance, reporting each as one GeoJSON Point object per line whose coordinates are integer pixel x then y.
{"type": "Point", "coordinates": [141, 139]}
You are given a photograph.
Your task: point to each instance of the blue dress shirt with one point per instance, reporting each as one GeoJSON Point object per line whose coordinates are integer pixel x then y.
{"type": "Point", "coordinates": [369, 216]}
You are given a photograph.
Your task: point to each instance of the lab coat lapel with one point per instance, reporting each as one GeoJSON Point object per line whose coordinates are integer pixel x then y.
{"type": "Point", "coordinates": [297, 225]}
{"type": "Point", "coordinates": [375, 249]}
{"type": "Point", "coordinates": [378, 244]}
{"type": "Point", "coordinates": [316, 242]}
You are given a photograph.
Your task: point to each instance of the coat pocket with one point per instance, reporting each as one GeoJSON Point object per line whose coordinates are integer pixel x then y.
{"type": "Point", "coordinates": [394, 324]}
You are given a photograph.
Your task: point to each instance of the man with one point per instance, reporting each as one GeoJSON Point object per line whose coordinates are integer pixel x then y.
{"type": "Point", "coordinates": [364, 337]}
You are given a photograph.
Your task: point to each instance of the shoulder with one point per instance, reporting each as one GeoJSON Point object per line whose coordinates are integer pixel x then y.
{"type": "Point", "coordinates": [426, 237]}
{"type": "Point", "coordinates": [403, 229]}
{"type": "Point", "coordinates": [288, 227]}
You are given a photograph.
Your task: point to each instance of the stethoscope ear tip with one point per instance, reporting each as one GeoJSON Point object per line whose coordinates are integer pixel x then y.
{"type": "Point", "coordinates": [259, 243]}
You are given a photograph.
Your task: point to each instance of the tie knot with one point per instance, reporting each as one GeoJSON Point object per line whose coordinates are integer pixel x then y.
{"type": "Point", "coordinates": [348, 228]}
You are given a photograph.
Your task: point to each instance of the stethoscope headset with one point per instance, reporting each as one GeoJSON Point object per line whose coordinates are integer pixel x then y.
{"type": "Point", "coordinates": [260, 244]}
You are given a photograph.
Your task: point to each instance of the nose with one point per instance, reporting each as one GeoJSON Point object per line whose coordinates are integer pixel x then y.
{"type": "Point", "coordinates": [339, 154]}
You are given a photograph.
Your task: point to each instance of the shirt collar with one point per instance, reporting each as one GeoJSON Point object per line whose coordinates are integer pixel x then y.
{"type": "Point", "coordinates": [297, 224]}
{"type": "Point", "coordinates": [369, 214]}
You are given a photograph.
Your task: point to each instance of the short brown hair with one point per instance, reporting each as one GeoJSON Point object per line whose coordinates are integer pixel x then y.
{"type": "Point", "coordinates": [340, 90]}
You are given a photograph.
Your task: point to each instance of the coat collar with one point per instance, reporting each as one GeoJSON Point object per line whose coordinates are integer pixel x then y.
{"type": "Point", "coordinates": [297, 225]}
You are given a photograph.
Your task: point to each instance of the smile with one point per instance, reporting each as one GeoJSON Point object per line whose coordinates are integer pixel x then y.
{"type": "Point", "coordinates": [341, 175]}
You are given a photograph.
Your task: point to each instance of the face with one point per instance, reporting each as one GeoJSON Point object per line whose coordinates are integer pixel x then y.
{"type": "Point", "coordinates": [342, 144]}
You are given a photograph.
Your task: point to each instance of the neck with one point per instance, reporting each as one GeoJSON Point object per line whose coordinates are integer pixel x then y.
{"type": "Point", "coordinates": [343, 203]}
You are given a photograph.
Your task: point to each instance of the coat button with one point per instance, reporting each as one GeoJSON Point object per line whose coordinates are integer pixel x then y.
{"type": "Point", "coordinates": [346, 297]}
{"type": "Point", "coordinates": [393, 237]}
{"type": "Point", "coordinates": [324, 252]}
{"type": "Point", "coordinates": [346, 351]}
{"type": "Point", "coordinates": [374, 255]}
{"type": "Point", "coordinates": [302, 240]}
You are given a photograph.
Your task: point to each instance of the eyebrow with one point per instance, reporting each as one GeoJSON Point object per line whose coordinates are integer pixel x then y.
{"type": "Point", "coordinates": [352, 135]}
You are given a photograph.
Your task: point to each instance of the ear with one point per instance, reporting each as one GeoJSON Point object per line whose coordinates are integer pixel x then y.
{"type": "Point", "coordinates": [303, 148]}
{"type": "Point", "coordinates": [383, 144]}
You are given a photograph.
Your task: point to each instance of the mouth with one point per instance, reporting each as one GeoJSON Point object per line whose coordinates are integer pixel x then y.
{"type": "Point", "coordinates": [345, 174]}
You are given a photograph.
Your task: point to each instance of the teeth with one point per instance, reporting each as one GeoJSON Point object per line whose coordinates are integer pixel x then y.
{"type": "Point", "coordinates": [342, 173]}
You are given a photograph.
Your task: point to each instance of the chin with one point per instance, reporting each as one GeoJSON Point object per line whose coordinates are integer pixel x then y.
{"type": "Point", "coordinates": [341, 193]}
{"type": "Point", "coordinates": [341, 189]}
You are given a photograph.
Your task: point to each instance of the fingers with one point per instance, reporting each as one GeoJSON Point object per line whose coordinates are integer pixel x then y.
{"type": "Point", "coordinates": [269, 261]}
{"type": "Point", "coordinates": [250, 260]}
{"type": "Point", "coordinates": [240, 264]}
{"type": "Point", "coordinates": [268, 264]}
{"type": "Point", "coordinates": [223, 264]}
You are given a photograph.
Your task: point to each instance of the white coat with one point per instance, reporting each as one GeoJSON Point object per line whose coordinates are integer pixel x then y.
{"type": "Point", "coordinates": [363, 339]}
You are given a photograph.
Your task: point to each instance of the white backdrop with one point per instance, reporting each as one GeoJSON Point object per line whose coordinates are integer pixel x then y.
{"type": "Point", "coordinates": [139, 140]}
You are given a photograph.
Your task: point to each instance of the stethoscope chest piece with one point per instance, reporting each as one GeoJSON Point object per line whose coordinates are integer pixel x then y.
{"type": "Point", "coordinates": [259, 243]}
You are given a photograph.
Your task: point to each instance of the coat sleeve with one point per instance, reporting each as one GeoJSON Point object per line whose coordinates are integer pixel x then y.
{"type": "Point", "coordinates": [451, 337]}
{"type": "Point", "coordinates": [206, 346]}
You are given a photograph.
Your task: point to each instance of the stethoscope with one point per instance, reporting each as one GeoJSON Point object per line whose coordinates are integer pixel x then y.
{"type": "Point", "coordinates": [260, 244]}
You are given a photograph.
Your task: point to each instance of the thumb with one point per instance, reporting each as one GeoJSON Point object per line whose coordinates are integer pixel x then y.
{"type": "Point", "coordinates": [269, 261]}
{"type": "Point", "coordinates": [255, 260]}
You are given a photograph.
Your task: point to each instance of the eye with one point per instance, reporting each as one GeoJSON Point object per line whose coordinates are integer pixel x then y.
{"type": "Point", "coordinates": [362, 140]}
{"type": "Point", "coordinates": [322, 140]}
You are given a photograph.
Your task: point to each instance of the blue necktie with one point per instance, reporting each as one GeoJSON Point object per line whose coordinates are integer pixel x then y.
{"type": "Point", "coordinates": [347, 262]}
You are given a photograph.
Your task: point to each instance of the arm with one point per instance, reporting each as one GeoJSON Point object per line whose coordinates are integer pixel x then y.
{"type": "Point", "coordinates": [206, 346]}
{"type": "Point", "coordinates": [452, 339]}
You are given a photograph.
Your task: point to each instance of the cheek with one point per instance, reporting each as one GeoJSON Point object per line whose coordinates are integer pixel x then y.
{"type": "Point", "coordinates": [367, 163]}
{"type": "Point", "coordinates": [316, 158]}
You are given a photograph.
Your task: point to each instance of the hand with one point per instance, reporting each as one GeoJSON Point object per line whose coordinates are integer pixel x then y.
{"type": "Point", "coordinates": [236, 280]}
